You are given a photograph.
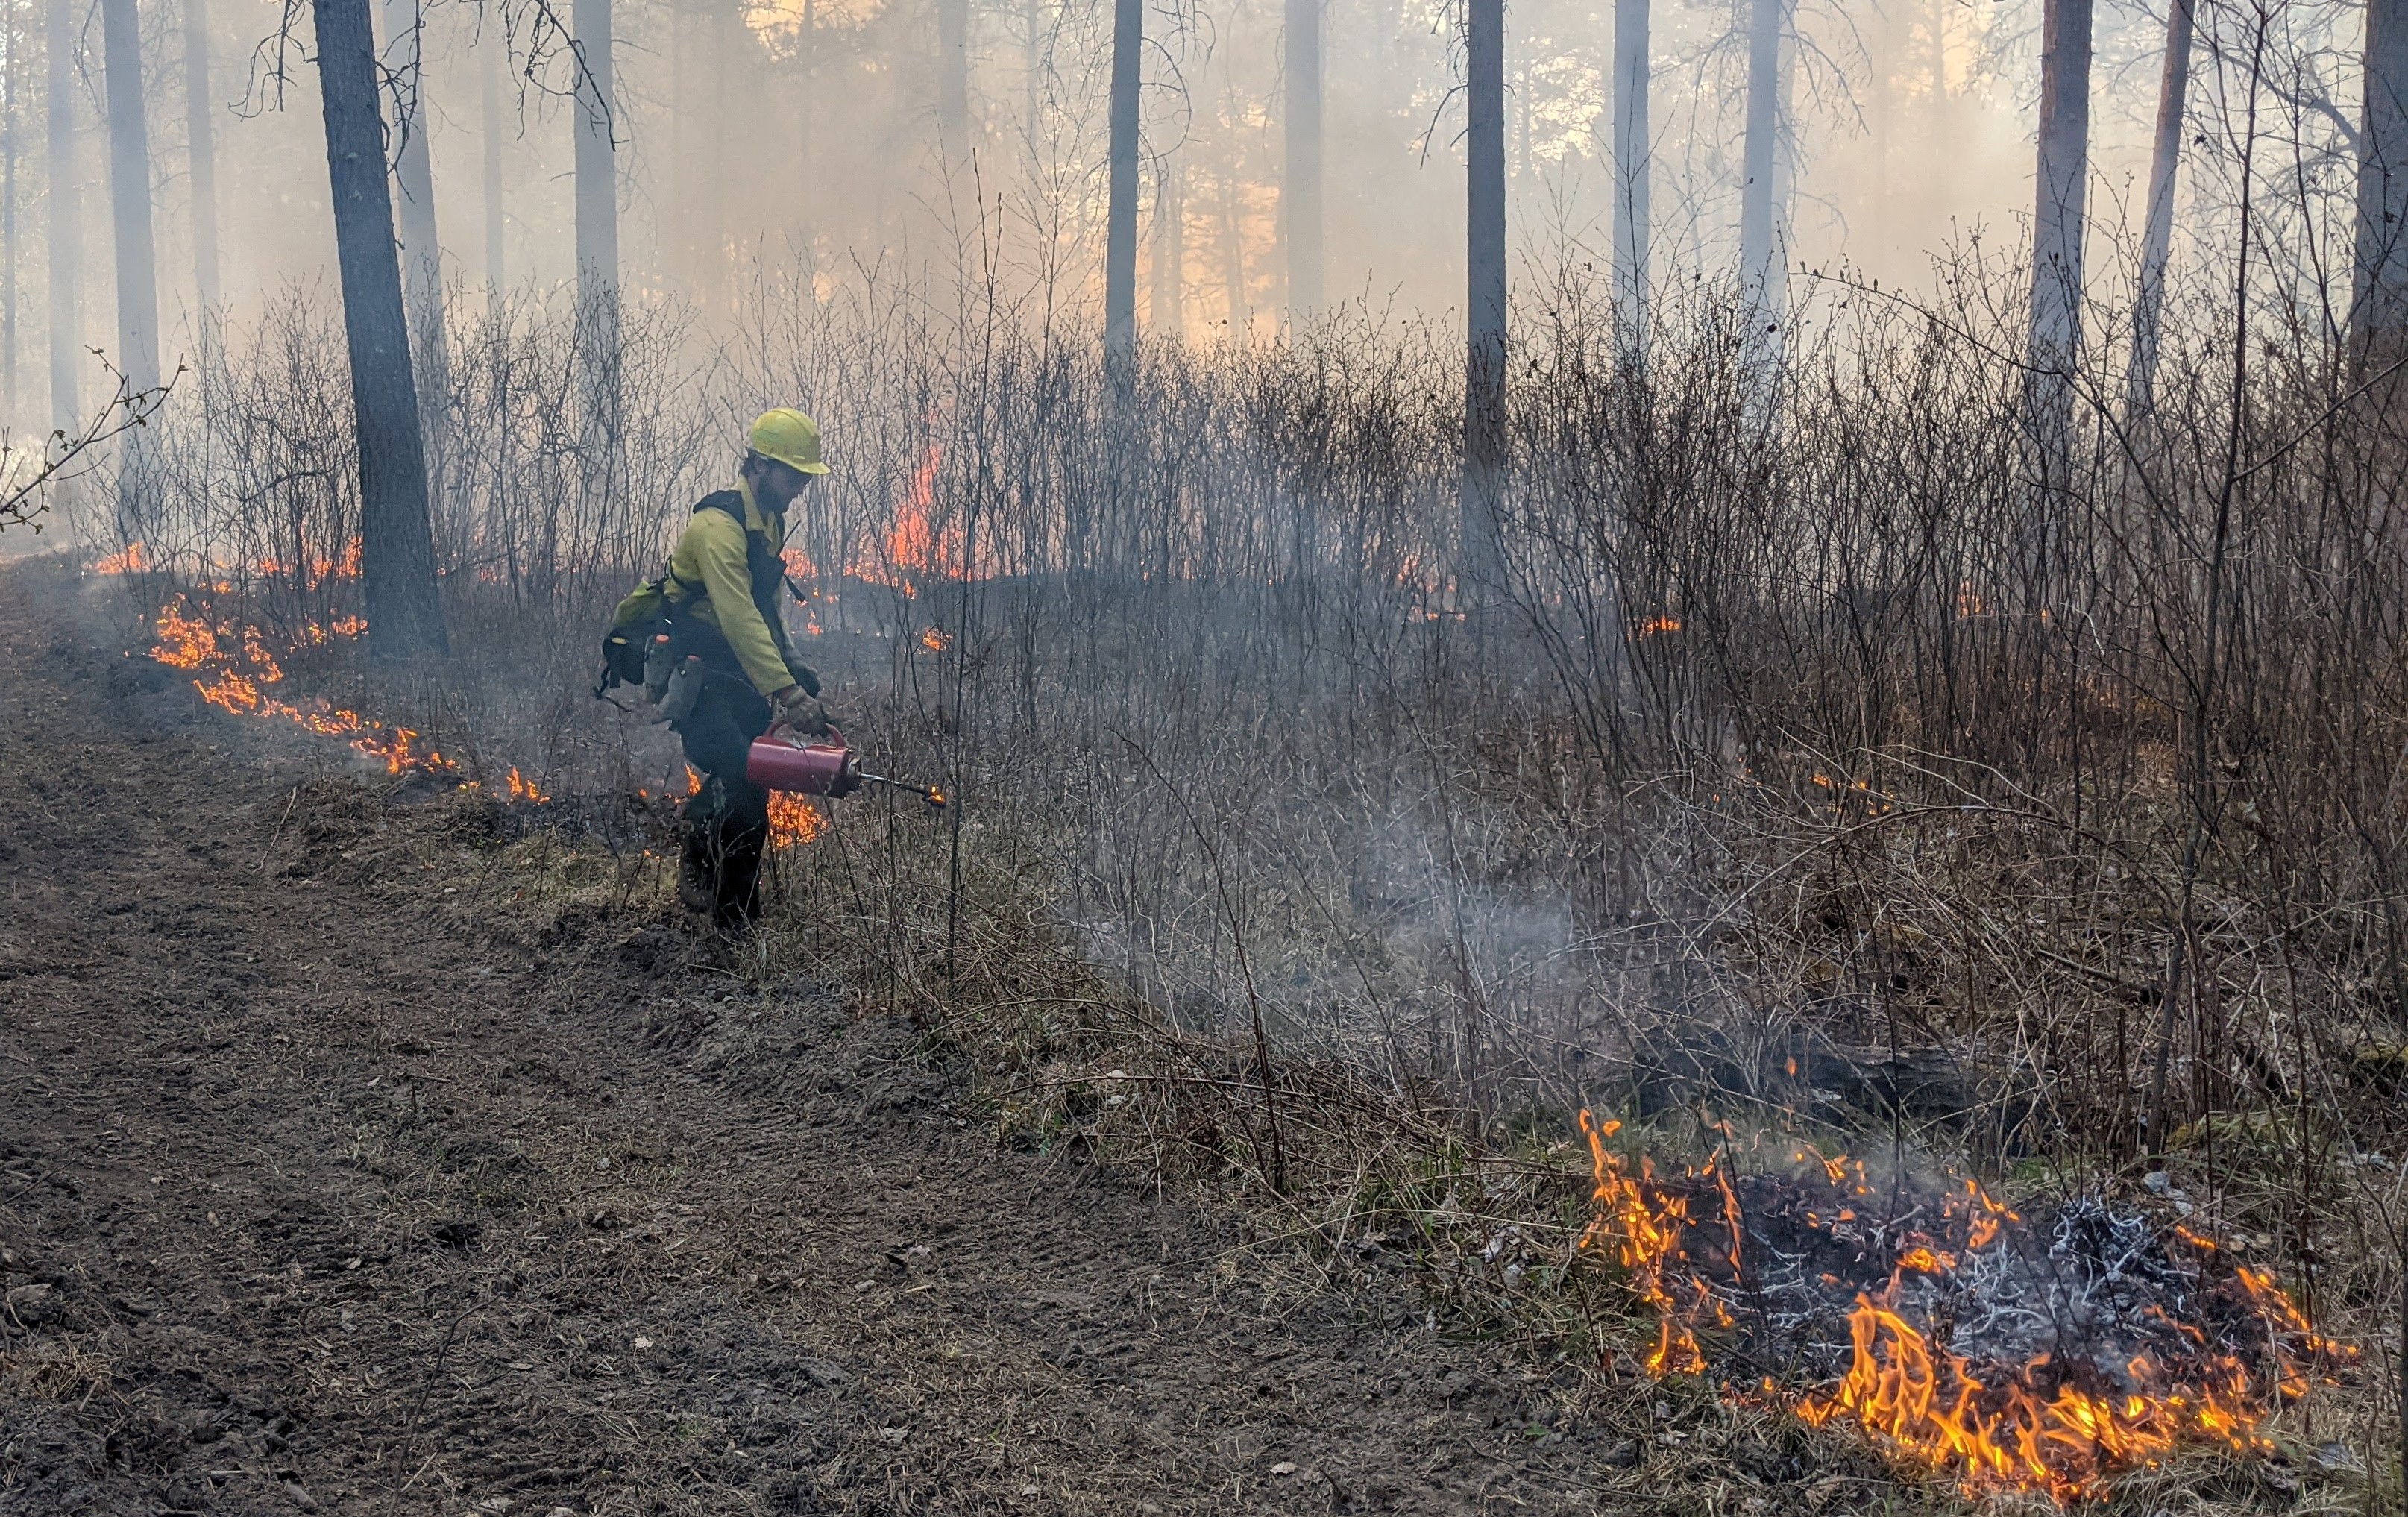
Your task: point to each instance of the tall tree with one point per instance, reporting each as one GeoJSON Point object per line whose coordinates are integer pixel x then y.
{"type": "Point", "coordinates": [806, 109]}
{"type": "Point", "coordinates": [597, 164]}
{"type": "Point", "coordinates": [66, 248]}
{"type": "Point", "coordinates": [1233, 255]}
{"type": "Point", "coordinates": [2064, 171]}
{"type": "Point", "coordinates": [2379, 288]}
{"type": "Point", "coordinates": [1119, 210]}
{"type": "Point", "coordinates": [413, 177]}
{"type": "Point", "coordinates": [1632, 67]}
{"type": "Point", "coordinates": [12, 112]}
{"type": "Point", "coordinates": [1300, 197]}
{"type": "Point", "coordinates": [135, 254]}
{"type": "Point", "coordinates": [200, 154]}
{"type": "Point", "coordinates": [1759, 154]}
{"type": "Point", "coordinates": [397, 542]}
{"type": "Point", "coordinates": [1170, 251]}
{"type": "Point", "coordinates": [1484, 400]}
{"type": "Point", "coordinates": [954, 72]}
{"type": "Point", "coordinates": [2157, 237]}
{"type": "Point", "coordinates": [488, 89]}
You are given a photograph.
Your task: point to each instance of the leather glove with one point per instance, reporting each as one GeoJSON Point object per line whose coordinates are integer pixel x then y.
{"type": "Point", "coordinates": [800, 711]}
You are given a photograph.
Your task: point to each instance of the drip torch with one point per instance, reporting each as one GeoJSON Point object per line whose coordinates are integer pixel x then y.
{"type": "Point", "coordinates": [828, 768]}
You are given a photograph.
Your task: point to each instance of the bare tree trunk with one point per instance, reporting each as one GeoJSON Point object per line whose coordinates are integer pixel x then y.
{"type": "Point", "coordinates": [1632, 67]}
{"type": "Point", "coordinates": [490, 89]}
{"type": "Point", "coordinates": [597, 164]}
{"type": "Point", "coordinates": [1170, 251]}
{"type": "Point", "coordinates": [413, 175]}
{"type": "Point", "coordinates": [806, 146]}
{"type": "Point", "coordinates": [1484, 298]}
{"type": "Point", "coordinates": [66, 242]}
{"type": "Point", "coordinates": [2057, 214]}
{"type": "Point", "coordinates": [2156, 238]}
{"type": "Point", "coordinates": [397, 543]}
{"type": "Point", "coordinates": [1233, 258]}
{"type": "Point", "coordinates": [707, 170]}
{"type": "Point", "coordinates": [135, 254]}
{"type": "Point", "coordinates": [2379, 289]}
{"type": "Point", "coordinates": [1300, 197]}
{"type": "Point", "coordinates": [201, 157]}
{"type": "Point", "coordinates": [952, 73]}
{"type": "Point", "coordinates": [1120, 216]}
{"type": "Point", "coordinates": [1033, 67]}
{"type": "Point", "coordinates": [12, 82]}
{"type": "Point", "coordinates": [1761, 147]}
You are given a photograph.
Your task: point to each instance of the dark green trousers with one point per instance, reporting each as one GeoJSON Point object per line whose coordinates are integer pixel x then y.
{"type": "Point", "coordinates": [727, 820]}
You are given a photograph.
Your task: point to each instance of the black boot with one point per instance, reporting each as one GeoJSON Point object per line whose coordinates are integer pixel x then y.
{"type": "Point", "coordinates": [697, 866]}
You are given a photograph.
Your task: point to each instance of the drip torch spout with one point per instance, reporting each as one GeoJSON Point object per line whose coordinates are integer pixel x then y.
{"type": "Point", "coordinates": [930, 794]}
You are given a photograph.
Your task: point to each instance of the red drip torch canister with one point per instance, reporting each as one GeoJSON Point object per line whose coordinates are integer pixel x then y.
{"type": "Point", "coordinates": [778, 763]}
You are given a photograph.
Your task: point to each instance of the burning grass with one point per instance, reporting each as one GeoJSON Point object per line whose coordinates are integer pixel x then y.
{"type": "Point", "coordinates": [2047, 1352]}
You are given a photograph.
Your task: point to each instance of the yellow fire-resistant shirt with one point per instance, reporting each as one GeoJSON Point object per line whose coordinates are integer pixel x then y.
{"type": "Point", "coordinates": [710, 558]}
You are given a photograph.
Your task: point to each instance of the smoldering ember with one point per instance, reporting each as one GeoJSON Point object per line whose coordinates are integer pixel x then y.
{"type": "Point", "coordinates": [913, 756]}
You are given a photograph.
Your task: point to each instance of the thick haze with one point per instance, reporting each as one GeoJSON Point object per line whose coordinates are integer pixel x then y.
{"type": "Point", "coordinates": [760, 133]}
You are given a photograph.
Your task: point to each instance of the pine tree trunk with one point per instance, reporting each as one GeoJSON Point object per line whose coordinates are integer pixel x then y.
{"type": "Point", "coordinates": [201, 158]}
{"type": "Point", "coordinates": [65, 243]}
{"type": "Point", "coordinates": [2379, 289]}
{"type": "Point", "coordinates": [597, 165]}
{"type": "Point", "coordinates": [2063, 175]}
{"type": "Point", "coordinates": [2156, 238]}
{"type": "Point", "coordinates": [413, 176]}
{"type": "Point", "coordinates": [14, 83]}
{"type": "Point", "coordinates": [1483, 409]}
{"type": "Point", "coordinates": [806, 144]}
{"type": "Point", "coordinates": [1120, 214]}
{"type": "Point", "coordinates": [135, 254]}
{"type": "Point", "coordinates": [1301, 197]}
{"type": "Point", "coordinates": [1632, 66]}
{"type": "Point", "coordinates": [396, 543]}
{"type": "Point", "coordinates": [1758, 151]}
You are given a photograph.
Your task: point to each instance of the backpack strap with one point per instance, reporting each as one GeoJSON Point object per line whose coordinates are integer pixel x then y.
{"type": "Point", "coordinates": [729, 501]}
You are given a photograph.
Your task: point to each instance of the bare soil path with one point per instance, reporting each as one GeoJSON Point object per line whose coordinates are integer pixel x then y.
{"type": "Point", "coordinates": [331, 1182]}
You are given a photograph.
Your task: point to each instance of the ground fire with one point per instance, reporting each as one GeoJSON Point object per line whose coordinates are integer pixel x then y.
{"type": "Point", "coordinates": [2046, 1351]}
{"type": "Point", "coordinates": [234, 668]}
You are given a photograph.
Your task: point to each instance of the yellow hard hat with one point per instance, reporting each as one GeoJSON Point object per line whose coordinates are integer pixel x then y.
{"type": "Point", "coordinates": [789, 437]}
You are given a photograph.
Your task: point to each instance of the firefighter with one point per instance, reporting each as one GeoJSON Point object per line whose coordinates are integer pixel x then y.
{"type": "Point", "coordinates": [733, 672]}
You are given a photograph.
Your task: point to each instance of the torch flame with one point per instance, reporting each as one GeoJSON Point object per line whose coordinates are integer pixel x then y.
{"type": "Point", "coordinates": [793, 819]}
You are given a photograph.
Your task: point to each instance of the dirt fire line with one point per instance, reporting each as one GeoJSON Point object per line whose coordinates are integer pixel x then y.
{"type": "Point", "coordinates": [2047, 1354]}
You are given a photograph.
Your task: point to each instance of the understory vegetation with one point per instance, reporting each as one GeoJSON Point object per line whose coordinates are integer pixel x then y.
{"type": "Point", "coordinates": [1808, 742]}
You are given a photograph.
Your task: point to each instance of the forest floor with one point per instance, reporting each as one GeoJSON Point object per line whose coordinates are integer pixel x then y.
{"type": "Point", "coordinates": [333, 1178]}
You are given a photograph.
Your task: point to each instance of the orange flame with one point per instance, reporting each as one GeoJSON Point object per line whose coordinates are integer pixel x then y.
{"type": "Point", "coordinates": [1931, 1408]}
{"type": "Point", "coordinates": [234, 664]}
{"type": "Point", "coordinates": [793, 819]}
{"type": "Point", "coordinates": [935, 640]}
{"type": "Point", "coordinates": [524, 789]}
{"type": "Point", "coordinates": [135, 560]}
{"type": "Point", "coordinates": [1988, 1426]}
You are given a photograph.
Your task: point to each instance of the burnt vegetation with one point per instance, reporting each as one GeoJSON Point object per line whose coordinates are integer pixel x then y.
{"type": "Point", "coordinates": [1825, 749]}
